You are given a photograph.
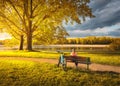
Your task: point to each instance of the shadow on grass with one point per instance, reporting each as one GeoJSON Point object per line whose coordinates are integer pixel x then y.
{"type": "Point", "coordinates": [81, 70]}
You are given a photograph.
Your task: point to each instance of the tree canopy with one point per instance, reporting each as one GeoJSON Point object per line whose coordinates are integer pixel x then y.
{"type": "Point", "coordinates": [29, 17]}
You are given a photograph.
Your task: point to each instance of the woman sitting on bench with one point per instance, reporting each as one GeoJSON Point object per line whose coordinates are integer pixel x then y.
{"type": "Point", "coordinates": [73, 53]}
{"type": "Point", "coordinates": [74, 57]}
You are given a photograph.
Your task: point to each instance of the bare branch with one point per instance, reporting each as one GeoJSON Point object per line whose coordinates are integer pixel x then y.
{"type": "Point", "coordinates": [15, 10]}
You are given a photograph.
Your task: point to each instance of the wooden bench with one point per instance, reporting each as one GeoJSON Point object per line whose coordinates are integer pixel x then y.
{"type": "Point", "coordinates": [76, 60]}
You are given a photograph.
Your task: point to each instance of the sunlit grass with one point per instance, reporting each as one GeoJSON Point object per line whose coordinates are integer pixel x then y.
{"type": "Point", "coordinates": [28, 73]}
{"type": "Point", "coordinates": [102, 58]}
{"type": "Point", "coordinates": [33, 54]}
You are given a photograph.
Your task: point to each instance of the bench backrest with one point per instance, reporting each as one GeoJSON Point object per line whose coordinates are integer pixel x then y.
{"type": "Point", "coordinates": [79, 59]}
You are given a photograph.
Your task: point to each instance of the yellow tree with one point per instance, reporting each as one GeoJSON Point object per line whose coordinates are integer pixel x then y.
{"type": "Point", "coordinates": [52, 35]}
{"type": "Point", "coordinates": [29, 16]}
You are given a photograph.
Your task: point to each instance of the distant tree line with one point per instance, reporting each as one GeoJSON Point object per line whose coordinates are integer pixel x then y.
{"type": "Point", "coordinates": [113, 42]}
{"type": "Point", "coordinates": [62, 40]}
{"type": "Point", "coordinates": [91, 40]}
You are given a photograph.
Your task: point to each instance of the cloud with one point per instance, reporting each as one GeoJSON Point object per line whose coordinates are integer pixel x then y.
{"type": "Point", "coordinates": [98, 5]}
{"type": "Point", "coordinates": [107, 14]}
{"type": "Point", "coordinates": [83, 33]}
{"type": "Point", "coordinates": [106, 31]}
{"type": "Point", "coordinates": [79, 33]}
{"type": "Point", "coordinates": [115, 33]}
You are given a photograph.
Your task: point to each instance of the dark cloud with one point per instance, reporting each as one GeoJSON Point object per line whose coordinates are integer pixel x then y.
{"type": "Point", "coordinates": [107, 14]}
{"type": "Point", "coordinates": [98, 5]}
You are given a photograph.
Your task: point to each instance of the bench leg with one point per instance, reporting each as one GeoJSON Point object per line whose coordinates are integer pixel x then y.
{"type": "Point", "coordinates": [76, 64]}
{"type": "Point", "coordinates": [87, 66]}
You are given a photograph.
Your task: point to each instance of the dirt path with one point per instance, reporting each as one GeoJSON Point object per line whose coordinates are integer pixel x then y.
{"type": "Point", "coordinates": [93, 66]}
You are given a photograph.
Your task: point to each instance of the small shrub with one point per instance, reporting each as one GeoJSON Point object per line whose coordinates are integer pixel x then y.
{"type": "Point", "coordinates": [115, 45]}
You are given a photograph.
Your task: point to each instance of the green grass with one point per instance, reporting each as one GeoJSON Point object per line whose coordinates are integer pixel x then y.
{"type": "Point", "coordinates": [28, 73]}
{"type": "Point", "coordinates": [103, 58]}
{"type": "Point", "coordinates": [33, 54]}
{"type": "Point", "coordinates": [109, 58]}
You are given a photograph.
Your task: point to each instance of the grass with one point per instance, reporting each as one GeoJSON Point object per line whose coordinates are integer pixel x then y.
{"type": "Point", "coordinates": [28, 73]}
{"type": "Point", "coordinates": [33, 54]}
{"type": "Point", "coordinates": [109, 58]}
{"type": "Point", "coordinates": [103, 58]}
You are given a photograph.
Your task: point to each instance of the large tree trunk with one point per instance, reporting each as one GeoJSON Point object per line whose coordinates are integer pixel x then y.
{"type": "Point", "coordinates": [29, 41]}
{"type": "Point", "coordinates": [21, 42]}
{"type": "Point", "coordinates": [29, 33]}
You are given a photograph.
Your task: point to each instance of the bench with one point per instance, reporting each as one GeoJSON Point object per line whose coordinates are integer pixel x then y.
{"type": "Point", "coordinates": [78, 59]}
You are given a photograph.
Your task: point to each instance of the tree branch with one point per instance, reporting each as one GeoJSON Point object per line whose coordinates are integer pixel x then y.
{"type": "Point", "coordinates": [15, 9]}
{"type": "Point", "coordinates": [4, 17]}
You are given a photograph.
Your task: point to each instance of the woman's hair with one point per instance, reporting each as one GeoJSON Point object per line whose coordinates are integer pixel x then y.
{"type": "Point", "coordinates": [73, 50]}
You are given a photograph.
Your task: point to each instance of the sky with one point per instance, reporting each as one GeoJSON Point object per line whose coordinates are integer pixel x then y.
{"type": "Point", "coordinates": [4, 36]}
{"type": "Point", "coordinates": [106, 22]}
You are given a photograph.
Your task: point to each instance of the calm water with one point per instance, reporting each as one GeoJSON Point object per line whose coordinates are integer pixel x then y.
{"type": "Point", "coordinates": [63, 47]}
